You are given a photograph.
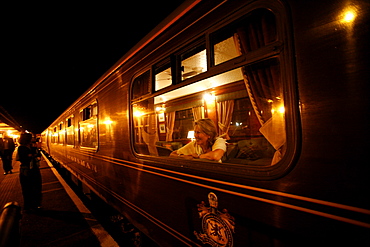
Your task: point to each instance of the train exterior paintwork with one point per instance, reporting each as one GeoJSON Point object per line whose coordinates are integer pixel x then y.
{"type": "Point", "coordinates": [304, 181]}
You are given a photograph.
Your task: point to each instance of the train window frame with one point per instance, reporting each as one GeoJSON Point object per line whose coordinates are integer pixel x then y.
{"type": "Point", "coordinates": [255, 44]}
{"type": "Point", "coordinates": [280, 49]}
{"type": "Point", "coordinates": [70, 131]}
{"type": "Point", "coordinates": [54, 137]}
{"type": "Point", "coordinates": [190, 52]}
{"type": "Point", "coordinates": [159, 74]}
{"type": "Point", "coordinates": [89, 116]}
{"type": "Point", "coordinates": [61, 133]}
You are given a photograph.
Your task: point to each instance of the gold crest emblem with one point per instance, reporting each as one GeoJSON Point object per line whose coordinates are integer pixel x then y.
{"type": "Point", "coordinates": [217, 226]}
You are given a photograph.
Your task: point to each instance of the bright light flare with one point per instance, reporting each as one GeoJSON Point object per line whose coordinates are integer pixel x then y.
{"type": "Point", "coordinates": [348, 15]}
{"type": "Point", "coordinates": [280, 110]}
{"type": "Point", "coordinates": [138, 113]}
{"type": "Point", "coordinates": [108, 122]}
{"type": "Point", "coordinates": [209, 97]}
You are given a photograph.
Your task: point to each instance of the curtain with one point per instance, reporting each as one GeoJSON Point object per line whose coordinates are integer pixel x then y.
{"type": "Point", "coordinates": [198, 112]}
{"type": "Point", "coordinates": [224, 113]}
{"type": "Point", "coordinates": [262, 80]}
{"type": "Point", "coordinates": [170, 123]}
{"type": "Point", "coordinates": [150, 136]}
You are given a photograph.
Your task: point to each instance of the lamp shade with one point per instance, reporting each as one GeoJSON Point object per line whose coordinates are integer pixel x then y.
{"type": "Point", "coordinates": [191, 134]}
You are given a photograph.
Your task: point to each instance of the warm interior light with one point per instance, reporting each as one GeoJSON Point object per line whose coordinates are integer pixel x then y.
{"type": "Point", "coordinates": [108, 122]}
{"type": "Point", "coordinates": [206, 84]}
{"type": "Point", "coordinates": [209, 97]}
{"type": "Point", "coordinates": [161, 108]}
{"type": "Point", "coordinates": [191, 134]}
{"type": "Point", "coordinates": [138, 113]}
{"type": "Point", "coordinates": [281, 109]}
{"type": "Point", "coordinates": [349, 16]}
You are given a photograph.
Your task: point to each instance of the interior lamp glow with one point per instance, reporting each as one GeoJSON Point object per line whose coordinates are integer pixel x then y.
{"type": "Point", "coordinates": [108, 121]}
{"type": "Point", "coordinates": [209, 97]}
{"type": "Point", "coordinates": [191, 134]}
{"type": "Point", "coordinates": [348, 15]}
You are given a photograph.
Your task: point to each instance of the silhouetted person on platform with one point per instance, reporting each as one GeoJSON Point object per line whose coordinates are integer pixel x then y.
{"type": "Point", "coordinates": [6, 152]}
{"type": "Point", "coordinates": [29, 173]}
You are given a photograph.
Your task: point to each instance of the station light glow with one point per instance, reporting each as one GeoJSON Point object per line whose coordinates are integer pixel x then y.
{"type": "Point", "coordinates": [348, 15]}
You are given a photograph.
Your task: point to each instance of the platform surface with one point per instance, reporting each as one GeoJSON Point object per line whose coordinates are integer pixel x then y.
{"type": "Point", "coordinates": [62, 221]}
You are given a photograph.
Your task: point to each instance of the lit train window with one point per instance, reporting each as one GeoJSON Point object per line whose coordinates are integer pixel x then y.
{"type": "Point", "coordinates": [54, 138]}
{"type": "Point", "coordinates": [69, 131]}
{"type": "Point", "coordinates": [146, 127]}
{"type": "Point", "coordinates": [61, 134]}
{"type": "Point", "coordinates": [193, 62]}
{"type": "Point", "coordinates": [243, 92]}
{"type": "Point", "coordinates": [249, 34]}
{"type": "Point", "coordinates": [88, 126]}
{"type": "Point", "coordinates": [183, 123]}
{"type": "Point", "coordinates": [163, 76]}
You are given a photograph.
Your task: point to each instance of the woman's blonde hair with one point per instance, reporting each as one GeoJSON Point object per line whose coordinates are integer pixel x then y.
{"type": "Point", "coordinates": [208, 127]}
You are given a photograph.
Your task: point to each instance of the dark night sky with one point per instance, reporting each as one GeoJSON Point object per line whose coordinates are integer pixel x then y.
{"type": "Point", "coordinates": [51, 53]}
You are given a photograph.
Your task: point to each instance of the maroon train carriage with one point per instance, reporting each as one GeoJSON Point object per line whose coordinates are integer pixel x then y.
{"type": "Point", "coordinates": [286, 82]}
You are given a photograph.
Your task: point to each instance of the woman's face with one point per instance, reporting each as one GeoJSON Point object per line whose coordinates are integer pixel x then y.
{"type": "Point", "coordinates": [200, 137]}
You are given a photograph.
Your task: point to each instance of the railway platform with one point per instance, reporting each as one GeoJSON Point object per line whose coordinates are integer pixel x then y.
{"type": "Point", "coordinates": [63, 219]}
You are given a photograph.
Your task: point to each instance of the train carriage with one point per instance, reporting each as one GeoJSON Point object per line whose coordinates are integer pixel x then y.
{"type": "Point", "coordinates": [284, 81]}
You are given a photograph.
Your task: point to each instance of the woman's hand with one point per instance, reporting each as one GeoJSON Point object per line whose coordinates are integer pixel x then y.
{"type": "Point", "coordinates": [195, 156]}
{"type": "Point", "coordinates": [183, 156]}
{"type": "Point", "coordinates": [212, 155]}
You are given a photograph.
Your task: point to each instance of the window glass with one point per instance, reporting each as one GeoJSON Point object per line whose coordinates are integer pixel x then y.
{"type": "Point", "coordinates": [69, 132]}
{"type": "Point", "coordinates": [183, 124]}
{"type": "Point", "coordinates": [61, 134]}
{"type": "Point", "coordinates": [193, 62]}
{"type": "Point", "coordinates": [163, 76]}
{"type": "Point", "coordinates": [225, 50]}
{"type": "Point", "coordinates": [88, 127]}
{"type": "Point", "coordinates": [249, 34]}
{"type": "Point", "coordinates": [252, 122]}
{"type": "Point", "coordinates": [141, 85]}
{"type": "Point", "coordinates": [146, 127]}
{"type": "Point", "coordinates": [54, 138]}
{"type": "Point", "coordinates": [257, 127]}
{"type": "Point", "coordinates": [206, 84]}
{"type": "Point", "coordinates": [246, 103]}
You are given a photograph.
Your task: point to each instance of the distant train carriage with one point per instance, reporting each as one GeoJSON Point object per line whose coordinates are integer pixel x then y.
{"type": "Point", "coordinates": [285, 82]}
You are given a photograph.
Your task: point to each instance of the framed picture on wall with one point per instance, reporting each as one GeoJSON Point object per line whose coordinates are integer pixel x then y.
{"type": "Point", "coordinates": [161, 117]}
{"type": "Point", "coordinates": [162, 128]}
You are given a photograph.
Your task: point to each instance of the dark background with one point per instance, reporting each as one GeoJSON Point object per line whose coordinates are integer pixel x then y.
{"type": "Point", "coordinates": [52, 52]}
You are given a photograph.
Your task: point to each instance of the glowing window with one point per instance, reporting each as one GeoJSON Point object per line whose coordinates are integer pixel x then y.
{"type": "Point", "coordinates": [193, 62]}
{"type": "Point", "coordinates": [88, 126]}
{"type": "Point", "coordinates": [163, 76]}
{"type": "Point", "coordinates": [225, 51]}
{"type": "Point", "coordinates": [69, 131]}
{"type": "Point", "coordinates": [246, 35]}
{"type": "Point", "coordinates": [247, 96]}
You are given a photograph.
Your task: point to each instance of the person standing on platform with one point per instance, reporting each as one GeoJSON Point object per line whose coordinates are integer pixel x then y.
{"type": "Point", "coordinates": [7, 147]}
{"type": "Point", "coordinates": [29, 173]}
